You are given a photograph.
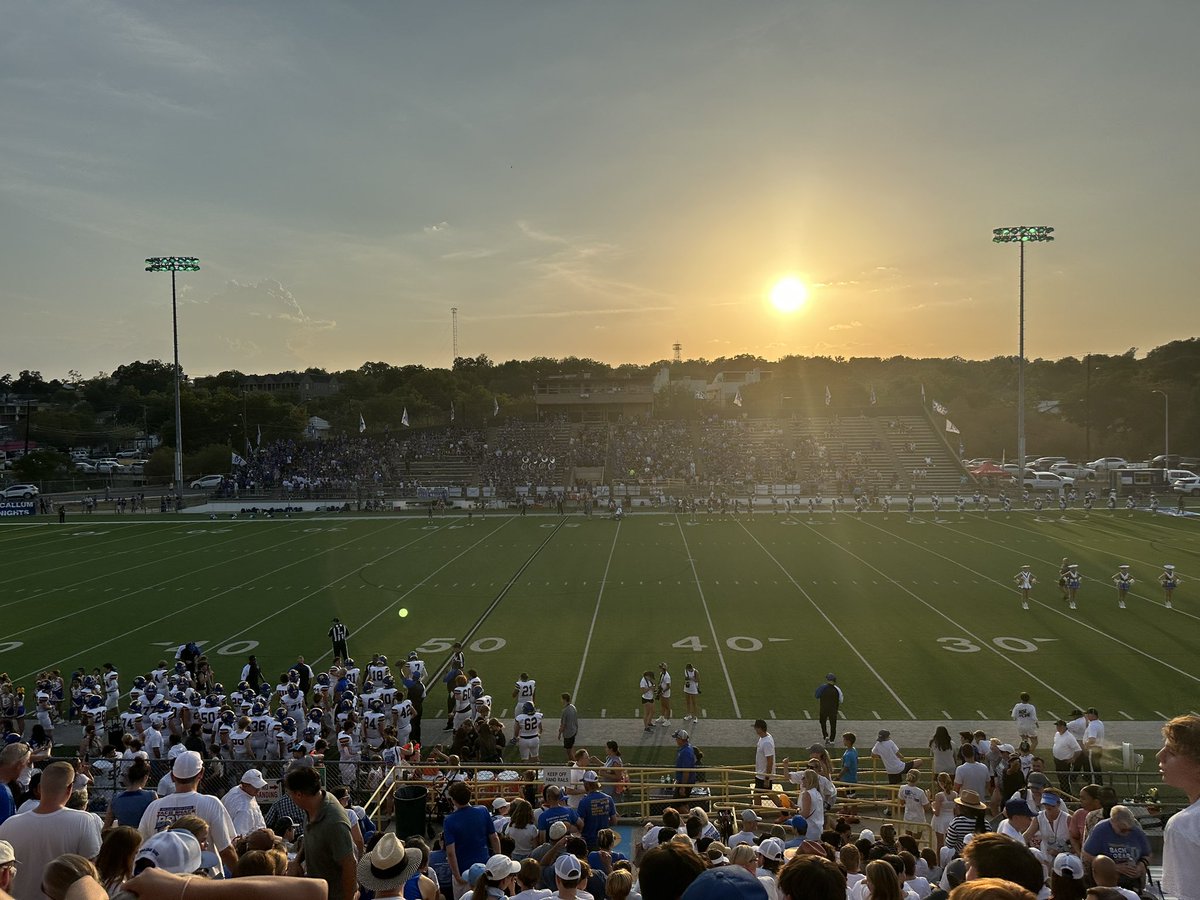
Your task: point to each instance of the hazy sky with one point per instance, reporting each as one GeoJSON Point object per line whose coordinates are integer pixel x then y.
{"type": "Point", "coordinates": [597, 178]}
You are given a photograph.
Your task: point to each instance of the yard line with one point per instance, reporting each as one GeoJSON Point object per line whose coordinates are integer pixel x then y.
{"type": "Point", "coordinates": [604, 713]}
{"type": "Point", "coordinates": [737, 711]}
{"type": "Point", "coordinates": [1052, 715]}
{"type": "Point", "coordinates": [982, 714]}
{"type": "Point", "coordinates": [182, 609]}
{"type": "Point", "coordinates": [504, 714]}
{"type": "Point", "coordinates": [772, 712]}
{"type": "Point", "coordinates": [807, 714]}
{"type": "Point", "coordinates": [1064, 614]}
{"type": "Point", "coordinates": [704, 713]}
{"type": "Point", "coordinates": [877, 716]}
{"type": "Point", "coordinates": [947, 715]}
{"type": "Point", "coordinates": [986, 644]}
{"type": "Point", "coordinates": [1125, 714]}
{"type": "Point", "coordinates": [830, 621]}
{"type": "Point", "coordinates": [1161, 715]}
{"type": "Point", "coordinates": [587, 645]}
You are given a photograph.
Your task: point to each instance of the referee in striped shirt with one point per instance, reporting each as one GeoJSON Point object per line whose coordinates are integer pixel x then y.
{"type": "Point", "coordinates": [338, 634]}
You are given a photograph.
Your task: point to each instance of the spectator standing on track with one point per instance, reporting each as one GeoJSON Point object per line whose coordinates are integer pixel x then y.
{"type": "Point", "coordinates": [663, 690]}
{"type": "Point", "coordinates": [568, 724]}
{"type": "Point", "coordinates": [685, 764]}
{"type": "Point", "coordinates": [1066, 752]}
{"type": "Point", "coordinates": [648, 689]}
{"type": "Point", "coordinates": [1024, 714]}
{"type": "Point", "coordinates": [1093, 744]}
{"type": "Point", "coordinates": [829, 697]}
{"type": "Point", "coordinates": [764, 756]}
{"type": "Point", "coordinates": [1179, 763]}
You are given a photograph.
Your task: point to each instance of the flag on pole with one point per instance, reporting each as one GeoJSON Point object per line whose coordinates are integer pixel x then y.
{"type": "Point", "coordinates": [952, 428]}
{"type": "Point", "coordinates": [939, 409]}
{"type": "Point", "coordinates": [237, 460]}
{"type": "Point", "coordinates": [249, 450]}
{"type": "Point", "coordinates": [362, 424]}
{"type": "Point", "coordinates": [259, 436]}
{"type": "Point", "coordinates": [737, 397]}
{"type": "Point", "coordinates": [451, 410]}
{"type": "Point", "coordinates": [922, 393]}
{"type": "Point", "coordinates": [872, 395]}
{"type": "Point", "coordinates": [495, 406]}
{"type": "Point", "coordinates": [828, 396]}
{"type": "Point", "coordinates": [404, 417]}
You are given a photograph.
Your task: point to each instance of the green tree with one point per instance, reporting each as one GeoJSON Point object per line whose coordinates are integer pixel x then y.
{"type": "Point", "coordinates": [42, 465]}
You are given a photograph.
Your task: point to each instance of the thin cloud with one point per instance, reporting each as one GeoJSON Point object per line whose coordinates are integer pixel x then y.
{"type": "Point", "coordinates": [845, 326]}
{"type": "Point", "coordinates": [580, 263]}
{"type": "Point", "coordinates": [435, 229]}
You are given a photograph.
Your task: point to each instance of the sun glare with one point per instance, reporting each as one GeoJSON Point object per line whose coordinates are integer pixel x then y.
{"type": "Point", "coordinates": [789, 294]}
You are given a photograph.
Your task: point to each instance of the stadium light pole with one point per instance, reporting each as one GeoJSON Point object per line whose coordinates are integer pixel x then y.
{"type": "Point", "coordinates": [1022, 235]}
{"type": "Point", "coordinates": [175, 264]}
{"type": "Point", "coordinates": [1166, 432]}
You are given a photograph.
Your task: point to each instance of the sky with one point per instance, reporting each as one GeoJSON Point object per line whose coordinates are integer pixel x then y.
{"type": "Point", "coordinates": [598, 179]}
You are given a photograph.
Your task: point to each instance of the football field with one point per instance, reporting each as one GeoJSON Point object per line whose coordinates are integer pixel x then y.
{"type": "Point", "coordinates": [918, 617]}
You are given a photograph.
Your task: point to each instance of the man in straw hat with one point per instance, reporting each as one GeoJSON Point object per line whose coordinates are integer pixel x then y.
{"type": "Point", "coordinates": [388, 866]}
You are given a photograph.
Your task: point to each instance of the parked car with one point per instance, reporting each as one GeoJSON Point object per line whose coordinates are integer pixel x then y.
{"type": "Point", "coordinates": [1174, 475]}
{"type": "Point", "coordinates": [208, 482]}
{"type": "Point", "coordinates": [1043, 463]}
{"type": "Point", "coordinates": [1039, 481]}
{"type": "Point", "coordinates": [1189, 486]}
{"type": "Point", "coordinates": [1078, 472]}
{"type": "Point", "coordinates": [84, 466]}
{"type": "Point", "coordinates": [20, 492]}
{"type": "Point", "coordinates": [127, 454]}
{"type": "Point", "coordinates": [1104, 463]}
{"type": "Point", "coordinates": [107, 464]}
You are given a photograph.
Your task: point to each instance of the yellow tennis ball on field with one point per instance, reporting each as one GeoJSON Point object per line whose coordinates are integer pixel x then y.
{"type": "Point", "coordinates": [403, 613]}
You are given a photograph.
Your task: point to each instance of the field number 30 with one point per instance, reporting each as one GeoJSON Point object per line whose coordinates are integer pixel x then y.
{"type": "Point", "coordinates": [1011, 644]}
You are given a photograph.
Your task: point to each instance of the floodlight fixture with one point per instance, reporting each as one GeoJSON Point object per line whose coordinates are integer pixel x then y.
{"type": "Point", "coordinates": [175, 264]}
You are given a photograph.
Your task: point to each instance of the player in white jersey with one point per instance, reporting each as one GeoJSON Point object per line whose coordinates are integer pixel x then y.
{"type": "Point", "coordinates": [208, 714]}
{"type": "Point", "coordinates": [1025, 580]}
{"type": "Point", "coordinates": [348, 757]}
{"type": "Point", "coordinates": [112, 688]}
{"type": "Point", "coordinates": [1169, 581]}
{"type": "Point", "coordinates": [462, 703]}
{"type": "Point", "coordinates": [378, 670]}
{"type": "Point", "coordinates": [353, 673]}
{"type": "Point", "coordinates": [527, 732]}
{"type": "Point", "coordinates": [239, 740]}
{"type": "Point", "coordinates": [415, 667]}
{"type": "Point", "coordinates": [402, 716]}
{"type": "Point", "coordinates": [386, 694]}
{"type": "Point", "coordinates": [131, 719]}
{"type": "Point", "coordinates": [260, 726]}
{"type": "Point", "coordinates": [293, 701]}
{"type": "Point", "coordinates": [1124, 581]}
{"type": "Point", "coordinates": [691, 691]}
{"type": "Point", "coordinates": [525, 690]}
{"type": "Point", "coordinates": [1024, 714]}
{"type": "Point", "coordinates": [374, 722]}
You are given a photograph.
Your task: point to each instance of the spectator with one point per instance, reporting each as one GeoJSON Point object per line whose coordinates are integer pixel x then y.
{"type": "Point", "coordinates": [1121, 839]}
{"type": "Point", "coordinates": [50, 830]}
{"type": "Point", "coordinates": [129, 805]}
{"type": "Point", "coordinates": [388, 866]}
{"type": "Point", "coordinates": [14, 759]}
{"type": "Point", "coordinates": [991, 889]}
{"type": "Point", "coordinates": [241, 802]}
{"type": "Point", "coordinates": [1179, 763]}
{"type": "Point", "coordinates": [667, 870]}
{"type": "Point", "coordinates": [186, 772]}
{"type": "Point", "coordinates": [812, 878]}
{"type": "Point", "coordinates": [731, 882]}
{"type": "Point", "coordinates": [997, 856]}
{"type": "Point", "coordinates": [114, 864]}
{"type": "Point", "coordinates": [328, 849]}
{"type": "Point", "coordinates": [62, 872]}
{"type": "Point", "coordinates": [8, 866]}
{"type": "Point", "coordinates": [469, 836]}
{"type": "Point", "coordinates": [1066, 878]}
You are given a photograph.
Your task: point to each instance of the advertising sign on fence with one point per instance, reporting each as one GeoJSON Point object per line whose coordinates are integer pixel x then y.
{"type": "Point", "coordinates": [9, 508]}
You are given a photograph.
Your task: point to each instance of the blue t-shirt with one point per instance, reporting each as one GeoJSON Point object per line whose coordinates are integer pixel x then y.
{"type": "Point", "coordinates": [685, 759]}
{"type": "Point", "coordinates": [468, 829]}
{"type": "Point", "coordinates": [128, 806]}
{"type": "Point", "coordinates": [850, 765]}
{"type": "Point", "coordinates": [596, 810]}
{"type": "Point", "coordinates": [593, 859]}
{"type": "Point", "coordinates": [1120, 848]}
{"type": "Point", "coordinates": [6, 803]}
{"type": "Point", "coordinates": [556, 814]}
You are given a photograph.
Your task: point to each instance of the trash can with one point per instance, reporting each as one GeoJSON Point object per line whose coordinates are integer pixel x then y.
{"type": "Point", "coordinates": [411, 804]}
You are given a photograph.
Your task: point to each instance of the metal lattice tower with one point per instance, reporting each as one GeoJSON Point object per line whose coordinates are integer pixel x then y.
{"type": "Point", "coordinates": [454, 328]}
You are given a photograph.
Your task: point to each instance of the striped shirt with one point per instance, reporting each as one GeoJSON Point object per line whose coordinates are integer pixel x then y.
{"type": "Point", "coordinates": [338, 632]}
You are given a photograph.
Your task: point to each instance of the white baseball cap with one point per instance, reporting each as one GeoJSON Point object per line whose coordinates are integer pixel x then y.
{"type": "Point", "coordinates": [187, 765]}
{"type": "Point", "coordinates": [177, 852]}
{"type": "Point", "coordinates": [254, 778]}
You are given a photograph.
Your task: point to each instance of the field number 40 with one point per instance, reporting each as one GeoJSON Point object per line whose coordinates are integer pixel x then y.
{"type": "Point", "coordinates": [738, 642]}
{"type": "Point", "coordinates": [1011, 644]}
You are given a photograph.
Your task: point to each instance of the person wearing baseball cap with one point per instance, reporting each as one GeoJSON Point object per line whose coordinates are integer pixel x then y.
{"type": "Point", "coordinates": [186, 773]}
{"type": "Point", "coordinates": [1017, 819]}
{"type": "Point", "coordinates": [725, 883]}
{"type": "Point", "coordinates": [8, 866]}
{"type": "Point", "coordinates": [685, 764]}
{"type": "Point", "coordinates": [241, 802]}
{"type": "Point", "coordinates": [749, 833]}
{"type": "Point", "coordinates": [568, 875]}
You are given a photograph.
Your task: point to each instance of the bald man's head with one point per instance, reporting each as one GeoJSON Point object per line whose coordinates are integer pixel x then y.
{"type": "Point", "coordinates": [1104, 872]}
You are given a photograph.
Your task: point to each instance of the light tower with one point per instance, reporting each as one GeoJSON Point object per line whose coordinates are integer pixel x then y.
{"type": "Point", "coordinates": [175, 264]}
{"type": "Point", "coordinates": [678, 350]}
{"type": "Point", "coordinates": [1022, 235]}
{"type": "Point", "coordinates": [454, 328]}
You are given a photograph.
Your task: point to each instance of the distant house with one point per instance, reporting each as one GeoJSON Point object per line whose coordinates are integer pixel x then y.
{"type": "Point", "coordinates": [317, 428]}
{"type": "Point", "coordinates": [300, 383]}
{"type": "Point", "coordinates": [598, 398]}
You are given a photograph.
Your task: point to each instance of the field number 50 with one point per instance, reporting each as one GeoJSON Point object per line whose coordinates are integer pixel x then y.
{"type": "Point", "coordinates": [1011, 644]}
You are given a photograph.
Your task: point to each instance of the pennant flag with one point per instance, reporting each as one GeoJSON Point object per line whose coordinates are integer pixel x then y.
{"type": "Point", "coordinates": [237, 460]}
{"type": "Point", "coordinates": [828, 396]}
{"type": "Point", "coordinates": [939, 409]}
{"type": "Point", "coordinates": [259, 436]}
{"type": "Point", "coordinates": [404, 418]}
{"type": "Point", "coordinates": [495, 407]}
{"type": "Point", "coordinates": [452, 411]}
{"type": "Point", "coordinates": [362, 424]}
{"type": "Point", "coordinates": [952, 428]}
{"type": "Point", "coordinates": [737, 398]}
{"type": "Point", "coordinates": [872, 395]}
{"type": "Point", "coordinates": [249, 450]}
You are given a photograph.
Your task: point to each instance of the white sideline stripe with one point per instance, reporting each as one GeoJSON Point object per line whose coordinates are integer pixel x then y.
{"type": "Point", "coordinates": [772, 712]}
{"type": "Point", "coordinates": [982, 714]}
{"type": "Point", "coordinates": [604, 713]}
{"type": "Point", "coordinates": [587, 645]}
{"type": "Point", "coordinates": [1066, 614]}
{"type": "Point", "coordinates": [1160, 603]}
{"type": "Point", "coordinates": [398, 600]}
{"type": "Point", "coordinates": [152, 562]}
{"type": "Point", "coordinates": [828, 620]}
{"type": "Point", "coordinates": [737, 710]}
{"type": "Point", "coordinates": [875, 714]}
{"type": "Point", "coordinates": [1125, 714]}
{"type": "Point", "coordinates": [190, 606]}
{"type": "Point", "coordinates": [1162, 715]}
{"type": "Point", "coordinates": [986, 644]}
{"type": "Point", "coordinates": [807, 715]}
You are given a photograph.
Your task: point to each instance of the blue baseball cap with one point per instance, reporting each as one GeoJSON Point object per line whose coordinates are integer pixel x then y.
{"type": "Point", "coordinates": [725, 883]}
{"type": "Point", "coordinates": [1018, 808]}
{"type": "Point", "coordinates": [799, 823]}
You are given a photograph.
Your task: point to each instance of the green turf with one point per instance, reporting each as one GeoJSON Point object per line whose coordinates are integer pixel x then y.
{"type": "Point", "coordinates": [772, 603]}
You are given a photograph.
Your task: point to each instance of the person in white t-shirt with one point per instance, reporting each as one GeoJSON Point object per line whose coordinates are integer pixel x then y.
{"type": "Point", "coordinates": [764, 756]}
{"type": "Point", "coordinates": [1017, 819]}
{"type": "Point", "coordinates": [664, 695]}
{"type": "Point", "coordinates": [1024, 714]}
{"type": "Point", "coordinates": [1179, 763]}
{"type": "Point", "coordinates": [186, 772]}
{"type": "Point", "coordinates": [917, 807]}
{"type": "Point", "coordinates": [49, 830]}
{"type": "Point", "coordinates": [888, 753]}
{"type": "Point", "coordinates": [241, 802]}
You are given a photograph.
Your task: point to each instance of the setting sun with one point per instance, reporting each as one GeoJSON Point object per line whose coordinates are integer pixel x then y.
{"type": "Point", "coordinates": [789, 294]}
